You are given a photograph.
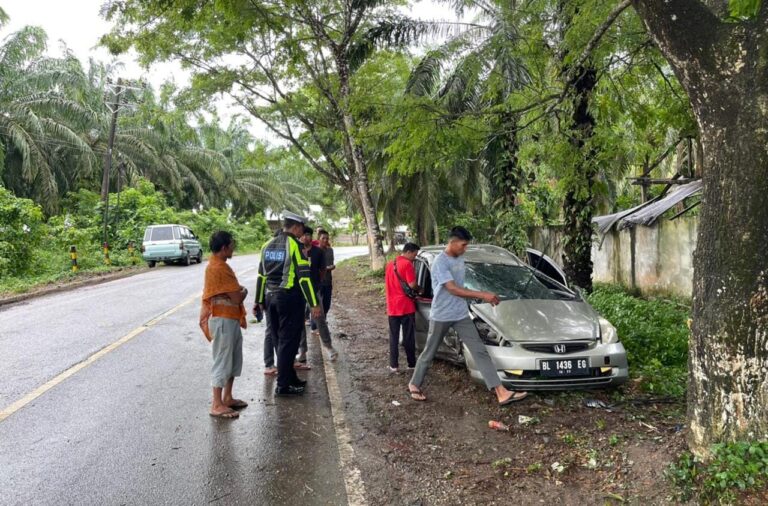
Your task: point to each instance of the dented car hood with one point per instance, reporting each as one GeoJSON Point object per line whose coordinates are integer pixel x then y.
{"type": "Point", "coordinates": [529, 320]}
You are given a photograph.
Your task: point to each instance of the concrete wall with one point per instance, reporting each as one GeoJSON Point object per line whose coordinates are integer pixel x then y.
{"type": "Point", "coordinates": [654, 260]}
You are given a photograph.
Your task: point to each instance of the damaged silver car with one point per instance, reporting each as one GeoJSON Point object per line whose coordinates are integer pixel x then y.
{"type": "Point", "coordinates": [543, 335]}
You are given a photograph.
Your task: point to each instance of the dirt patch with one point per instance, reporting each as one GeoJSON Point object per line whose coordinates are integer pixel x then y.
{"type": "Point", "coordinates": [442, 451]}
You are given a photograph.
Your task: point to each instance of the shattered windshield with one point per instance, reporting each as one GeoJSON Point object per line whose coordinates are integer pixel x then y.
{"type": "Point", "coordinates": [512, 282]}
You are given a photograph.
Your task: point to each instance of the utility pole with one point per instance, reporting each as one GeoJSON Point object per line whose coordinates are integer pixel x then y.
{"type": "Point", "coordinates": [114, 108]}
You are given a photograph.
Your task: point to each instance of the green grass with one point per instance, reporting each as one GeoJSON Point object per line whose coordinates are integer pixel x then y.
{"type": "Point", "coordinates": [654, 332]}
{"type": "Point", "coordinates": [741, 466]}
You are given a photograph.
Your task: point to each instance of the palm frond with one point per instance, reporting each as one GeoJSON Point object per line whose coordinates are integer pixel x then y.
{"type": "Point", "coordinates": [395, 32]}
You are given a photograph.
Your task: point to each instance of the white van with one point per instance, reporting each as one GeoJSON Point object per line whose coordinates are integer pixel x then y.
{"type": "Point", "coordinates": [170, 243]}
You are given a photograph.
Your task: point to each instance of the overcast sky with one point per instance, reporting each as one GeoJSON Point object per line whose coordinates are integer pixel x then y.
{"type": "Point", "coordinates": [78, 24]}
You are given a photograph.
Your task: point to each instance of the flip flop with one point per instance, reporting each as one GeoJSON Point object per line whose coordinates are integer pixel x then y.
{"type": "Point", "coordinates": [515, 397]}
{"type": "Point", "coordinates": [270, 371]}
{"type": "Point", "coordinates": [226, 415]}
{"type": "Point", "coordinates": [302, 366]}
{"type": "Point", "coordinates": [238, 404]}
{"type": "Point", "coordinates": [417, 395]}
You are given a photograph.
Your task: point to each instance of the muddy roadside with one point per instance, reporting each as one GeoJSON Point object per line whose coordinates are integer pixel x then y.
{"type": "Point", "coordinates": [443, 452]}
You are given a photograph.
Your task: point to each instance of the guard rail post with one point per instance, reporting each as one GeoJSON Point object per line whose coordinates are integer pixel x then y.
{"type": "Point", "coordinates": [73, 257]}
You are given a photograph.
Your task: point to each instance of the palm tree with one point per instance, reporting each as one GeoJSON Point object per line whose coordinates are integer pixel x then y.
{"type": "Point", "coordinates": [39, 122]}
{"type": "Point", "coordinates": [474, 73]}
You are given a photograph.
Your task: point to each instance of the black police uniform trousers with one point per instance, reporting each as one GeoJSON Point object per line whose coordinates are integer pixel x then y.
{"type": "Point", "coordinates": [286, 316]}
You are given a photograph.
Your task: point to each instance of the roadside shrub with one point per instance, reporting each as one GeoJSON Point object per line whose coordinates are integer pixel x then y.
{"type": "Point", "coordinates": [21, 232]}
{"type": "Point", "coordinates": [34, 252]}
{"type": "Point", "coordinates": [655, 334]}
{"type": "Point", "coordinates": [250, 233]}
{"type": "Point", "coordinates": [739, 466]}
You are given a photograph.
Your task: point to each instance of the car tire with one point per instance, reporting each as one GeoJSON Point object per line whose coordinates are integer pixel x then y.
{"type": "Point", "coordinates": [186, 260]}
{"type": "Point", "coordinates": [151, 264]}
{"type": "Point", "coordinates": [200, 257]}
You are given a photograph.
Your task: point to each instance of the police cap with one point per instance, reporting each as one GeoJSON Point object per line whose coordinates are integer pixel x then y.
{"type": "Point", "coordinates": [293, 216]}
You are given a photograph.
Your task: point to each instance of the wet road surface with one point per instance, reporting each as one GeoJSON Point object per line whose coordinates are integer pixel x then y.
{"type": "Point", "coordinates": [132, 427]}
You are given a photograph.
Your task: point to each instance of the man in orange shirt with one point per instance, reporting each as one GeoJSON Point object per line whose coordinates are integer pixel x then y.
{"type": "Point", "coordinates": [221, 316]}
{"type": "Point", "coordinates": [401, 309]}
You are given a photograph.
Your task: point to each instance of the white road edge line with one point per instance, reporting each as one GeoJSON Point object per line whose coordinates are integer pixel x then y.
{"type": "Point", "coordinates": [8, 411]}
{"type": "Point", "coordinates": [353, 481]}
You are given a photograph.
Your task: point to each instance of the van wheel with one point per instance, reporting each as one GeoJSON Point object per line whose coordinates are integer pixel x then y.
{"type": "Point", "coordinates": [200, 257]}
{"type": "Point", "coordinates": [151, 264]}
{"type": "Point", "coordinates": [186, 260]}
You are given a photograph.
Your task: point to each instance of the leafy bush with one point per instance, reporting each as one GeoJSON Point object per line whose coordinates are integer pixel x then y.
{"type": "Point", "coordinates": [250, 233]}
{"type": "Point", "coordinates": [21, 231]}
{"type": "Point", "coordinates": [26, 259]}
{"type": "Point", "coordinates": [734, 466]}
{"type": "Point", "coordinates": [655, 334]}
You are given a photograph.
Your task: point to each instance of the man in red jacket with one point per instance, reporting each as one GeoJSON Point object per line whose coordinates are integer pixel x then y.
{"type": "Point", "coordinates": [401, 308]}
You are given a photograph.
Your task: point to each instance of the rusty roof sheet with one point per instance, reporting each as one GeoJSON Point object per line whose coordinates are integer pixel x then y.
{"type": "Point", "coordinates": [647, 213]}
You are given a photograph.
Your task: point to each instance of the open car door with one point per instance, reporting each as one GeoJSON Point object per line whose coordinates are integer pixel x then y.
{"type": "Point", "coordinates": [545, 265]}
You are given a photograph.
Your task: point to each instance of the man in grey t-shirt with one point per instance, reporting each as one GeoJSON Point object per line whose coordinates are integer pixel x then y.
{"type": "Point", "coordinates": [450, 310]}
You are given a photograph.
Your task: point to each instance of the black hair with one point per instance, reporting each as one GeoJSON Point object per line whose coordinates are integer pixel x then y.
{"type": "Point", "coordinates": [409, 246]}
{"type": "Point", "coordinates": [322, 232]}
{"type": "Point", "coordinates": [219, 240]}
{"type": "Point", "coordinates": [288, 223]}
{"type": "Point", "coordinates": [461, 234]}
{"type": "Point", "coordinates": [308, 230]}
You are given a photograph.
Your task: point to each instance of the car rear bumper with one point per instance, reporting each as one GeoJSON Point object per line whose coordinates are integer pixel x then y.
{"type": "Point", "coordinates": [163, 257]}
{"type": "Point", "coordinates": [520, 369]}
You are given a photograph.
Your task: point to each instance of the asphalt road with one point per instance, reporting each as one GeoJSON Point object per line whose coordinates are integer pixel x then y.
{"type": "Point", "coordinates": [132, 426]}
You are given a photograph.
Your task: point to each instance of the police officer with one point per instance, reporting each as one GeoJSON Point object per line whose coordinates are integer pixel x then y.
{"type": "Point", "coordinates": [283, 285]}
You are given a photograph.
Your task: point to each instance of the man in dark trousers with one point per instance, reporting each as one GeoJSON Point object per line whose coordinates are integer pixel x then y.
{"type": "Point", "coordinates": [284, 286]}
{"type": "Point", "coordinates": [316, 265]}
{"type": "Point", "coordinates": [451, 310]}
{"type": "Point", "coordinates": [401, 309]}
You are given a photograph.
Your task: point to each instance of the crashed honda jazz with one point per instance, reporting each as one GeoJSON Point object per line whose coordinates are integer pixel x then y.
{"type": "Point", "coordinates": [543, 335]}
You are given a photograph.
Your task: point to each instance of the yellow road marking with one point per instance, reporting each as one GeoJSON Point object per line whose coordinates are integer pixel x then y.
{"type": "Point", "coordinates": [8, 411]}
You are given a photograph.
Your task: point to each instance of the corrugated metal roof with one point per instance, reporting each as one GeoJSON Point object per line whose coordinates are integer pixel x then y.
{"type": "Point", "coordinates": [647, 213]}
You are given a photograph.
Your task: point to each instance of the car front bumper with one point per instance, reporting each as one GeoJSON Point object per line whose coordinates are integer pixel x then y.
{"type": "Point", "coordinates": [519, 368]}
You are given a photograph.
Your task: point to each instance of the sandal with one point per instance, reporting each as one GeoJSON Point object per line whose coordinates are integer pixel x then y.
{"type": "Point", "coordinates": [238, 404]}
{"type": "Point", "coordinates": [515, 397]}
{"type": "Point", "coordinates": [416, 393]}
{"type": "Point", "coordinates": [270, 371]}
{"type": "Point", "coordinates": [225, 414]}
{"type": "Point", "coordinates": [301, 366]}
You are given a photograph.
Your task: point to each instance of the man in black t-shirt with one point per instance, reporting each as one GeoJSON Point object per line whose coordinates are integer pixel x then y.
{"type": "Point", "coordinates": [316, 257]}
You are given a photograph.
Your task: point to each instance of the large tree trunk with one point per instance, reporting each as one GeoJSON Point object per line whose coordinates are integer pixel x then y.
{"type": "Point", "coordinates": [724, 69]}
{"type": "Point", "coordinates": [577, 250]}
{"type": "Point", "coordinates": [354, 155]}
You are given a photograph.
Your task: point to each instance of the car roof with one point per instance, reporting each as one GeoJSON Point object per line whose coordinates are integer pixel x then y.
{"type": "Point", "coordinates": [166, 225]}
{"type": "Point", "coordinates": [478, 253]}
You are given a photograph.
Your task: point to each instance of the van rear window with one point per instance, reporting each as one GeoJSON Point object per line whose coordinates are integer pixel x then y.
{"type": "Point", "coordinates": [162, 234]}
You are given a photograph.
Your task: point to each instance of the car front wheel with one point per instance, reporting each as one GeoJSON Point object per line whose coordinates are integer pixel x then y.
{"type": "Point", "coordinates": [151, 264]}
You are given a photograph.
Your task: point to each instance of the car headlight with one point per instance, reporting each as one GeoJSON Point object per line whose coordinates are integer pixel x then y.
{"type": "Point", "coordinates": [608, 332]}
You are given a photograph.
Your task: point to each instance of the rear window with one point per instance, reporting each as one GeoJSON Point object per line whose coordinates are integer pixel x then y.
{"type": "Point", "coordinates": [162, 234]}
